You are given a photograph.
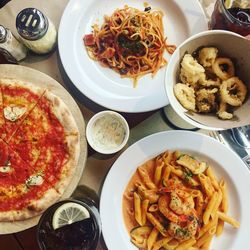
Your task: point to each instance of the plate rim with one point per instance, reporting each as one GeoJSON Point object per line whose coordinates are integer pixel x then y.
{"type": "Point", "coordinates": [98, 98]}
{"type": "Point", "coordinates": [244, 217]}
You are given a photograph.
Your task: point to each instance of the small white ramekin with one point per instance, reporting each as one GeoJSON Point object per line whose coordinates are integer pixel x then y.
{"type": "Point", "coordinates": [89, 134]}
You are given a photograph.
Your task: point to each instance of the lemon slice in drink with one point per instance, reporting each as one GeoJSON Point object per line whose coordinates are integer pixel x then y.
{"type": "Point", "coordinates": [69, 213]}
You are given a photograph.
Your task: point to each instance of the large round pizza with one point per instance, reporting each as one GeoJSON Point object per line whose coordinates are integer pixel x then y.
{"type": "Point", "coordinates": [39, 149]}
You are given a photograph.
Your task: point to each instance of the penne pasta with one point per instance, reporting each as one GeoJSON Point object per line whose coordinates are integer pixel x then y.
{"type": "Point", "coordinates": [203, 239]}
{"type": "Point", "coordinates": [137, 207]}
{"type": "Point", "coordinates": [216, 205]}
{"type": "Point", "coordinates": [158, 172]}
{"type": "Point", "coordinates": [146, 179]}
{"type": "Point", "coordinates": [144, 209]}
{"type": "Point", "coordinates": [157, 224]}
{"type": "Point", "coordinates": [166, 175]}
{"type": "Point", "coordinates": [208, 226]}
{"type": "Point", "coordinates": [212, 177]}
{"type": "Point", "coordinates": [171, 245]}
{"type": "Point", "coordinates": [220, 227]}
{"type": "Point", "coordinates": [209, 208]}
{"type": "Point", "coordinates": [228, 219]}
{"type": "Point", "coordinates": [186, 244]}
{"type": "Point", "coordinates": [153, 208]}
{"type": "Point", "coordinates": [167, 157]}
{"type": "Point", "coordinates": [224, 203]}
{"type": "Point", "coordinates": [206, 184]}
{"type": "Point", "coordinates": [160, 243]}
{"type": "Point", "coordinates": [152, 238]}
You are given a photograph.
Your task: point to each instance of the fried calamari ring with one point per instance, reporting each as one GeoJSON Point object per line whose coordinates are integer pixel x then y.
{"type": "Point", "coordinates": [207, 56]}
{"type": "Point", "coordinates": [222, 112]}
{"type": "Point", "coordinates": [209, 82]}
{"type": "Point", "coordinates": [223, 68]}
{"type": "Point", "coordinates": [206, 100]}
{"type": "Point", "coordinates": [233, 91]}
{"type": "Point", "coordinates": [185, 96]}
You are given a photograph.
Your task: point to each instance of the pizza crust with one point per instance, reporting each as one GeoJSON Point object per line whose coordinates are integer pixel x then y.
{"type": "Point", "coordinates": [18, 83]}
{"type": "Point", "coordinates": [72, 139]}
{"type": "Point", "coordinates": [34, 208]}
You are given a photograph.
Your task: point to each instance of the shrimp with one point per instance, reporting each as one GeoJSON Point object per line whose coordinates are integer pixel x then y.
{"type": "Point", "coordinates": [181, 202]}
{"type": "Point", "coordinates": [185, 232]}
{"type": "Point", "coordinates": [163, 204]}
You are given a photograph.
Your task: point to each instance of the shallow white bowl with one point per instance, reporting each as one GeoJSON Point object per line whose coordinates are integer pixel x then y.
{"type": "Point", "coordinates": [89, 132]}
{"type": "Point", "coordinates": [229, 44]}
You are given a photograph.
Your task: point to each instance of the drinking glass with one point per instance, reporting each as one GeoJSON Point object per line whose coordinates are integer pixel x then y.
{"type": "Point", "coordinates": [80, 235]}
{"type": "Point", "coordinates": [233, 19]}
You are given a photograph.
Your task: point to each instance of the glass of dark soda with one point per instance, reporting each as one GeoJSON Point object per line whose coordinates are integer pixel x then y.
{"type": "Point", "coordinates": [234, 17]}
{"type": "Point", "coordinates": [69, 224]}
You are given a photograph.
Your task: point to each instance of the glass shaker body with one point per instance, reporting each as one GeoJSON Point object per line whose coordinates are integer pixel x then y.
{"type": "Point", "coordinates": [10, 47]}
{"type": "Point", "coordinates": [36, 31]}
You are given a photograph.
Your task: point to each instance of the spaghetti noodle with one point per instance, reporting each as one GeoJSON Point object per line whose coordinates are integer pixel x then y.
{"type": "Point", "coordinates": [130, 41]}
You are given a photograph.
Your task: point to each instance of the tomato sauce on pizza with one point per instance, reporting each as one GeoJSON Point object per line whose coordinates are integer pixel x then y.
{"type": "Point", "coordinates": [39, 149]}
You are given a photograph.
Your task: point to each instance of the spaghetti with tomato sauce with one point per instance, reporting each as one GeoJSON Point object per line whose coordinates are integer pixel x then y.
{"type": "Point", "coordinates": [130, 41]}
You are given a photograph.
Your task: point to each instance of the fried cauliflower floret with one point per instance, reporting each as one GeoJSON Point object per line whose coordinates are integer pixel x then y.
{"type": "Point", "coordinates": [206, 100]}
{"type": "Point", "coordinates": [185, 96]}
{"type": "Point", "coordinates": [207, 56]}
{"type": "Point", "coordinates": [191, 70]}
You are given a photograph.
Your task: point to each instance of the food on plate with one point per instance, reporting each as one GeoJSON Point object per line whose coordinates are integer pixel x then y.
{"type": "Point", "coordinates": [130, 41]}
{"type": "Point", "coordinates": [208, 84]}
{"type": "Point", "coordinates": [174, 201]}
{"type": "Point", "coordinates": [39, 149]}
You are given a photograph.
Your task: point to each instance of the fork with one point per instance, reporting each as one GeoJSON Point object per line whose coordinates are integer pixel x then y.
{"type": "Point", "coordinates": [242, 153]}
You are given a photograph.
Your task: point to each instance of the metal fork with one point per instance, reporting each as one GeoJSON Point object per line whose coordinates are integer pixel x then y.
{"type": "Point", "coordinates": [241, 152]}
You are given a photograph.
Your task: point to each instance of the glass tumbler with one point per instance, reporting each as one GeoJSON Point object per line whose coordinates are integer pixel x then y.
{"type": "Point", "coordinates": [234, 19]}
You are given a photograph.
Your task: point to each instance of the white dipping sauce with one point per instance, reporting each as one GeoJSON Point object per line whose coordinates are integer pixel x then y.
{"type": "Point", "coordinates": [108, 132]}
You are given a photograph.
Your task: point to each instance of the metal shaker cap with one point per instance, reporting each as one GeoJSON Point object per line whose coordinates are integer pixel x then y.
{"type": "Point", "coordinates": [31, 24]}
{"type": "Point", "coordinates": [3, 34]}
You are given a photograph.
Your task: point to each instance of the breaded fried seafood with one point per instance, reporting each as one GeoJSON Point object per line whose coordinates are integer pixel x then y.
{"type": "Point", "coordinates": [208, 84]}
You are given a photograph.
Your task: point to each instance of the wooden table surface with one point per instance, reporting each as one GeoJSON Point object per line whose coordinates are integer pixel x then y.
{"type": "Point", "coordinates": [26, 240]}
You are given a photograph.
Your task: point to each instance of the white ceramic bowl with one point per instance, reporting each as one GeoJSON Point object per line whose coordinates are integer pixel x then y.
{"type": "Point", "coordinates": [101, 126]}
{"type": "Point", "coordinates": [229, 44]}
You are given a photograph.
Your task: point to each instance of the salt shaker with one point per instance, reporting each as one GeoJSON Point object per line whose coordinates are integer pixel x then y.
{"type": "Point", "coordinates": [36, 31]}
{"type": "Point", "coordinates": [10, 47]}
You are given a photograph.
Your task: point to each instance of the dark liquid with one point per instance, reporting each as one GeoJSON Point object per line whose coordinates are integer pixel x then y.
{"type": "Point", "coordinates": [82, 235]}
{"type": "Point", "coordinates": [242, 15]}
{"type": "Point", "coordinates": [233, 19]}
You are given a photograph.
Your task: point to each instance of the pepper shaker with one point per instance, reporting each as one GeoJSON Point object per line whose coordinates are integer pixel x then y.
{"type": "Point", "coordinates": [10, 47]}
{"type": "Point", "coordinates": [36, 31]}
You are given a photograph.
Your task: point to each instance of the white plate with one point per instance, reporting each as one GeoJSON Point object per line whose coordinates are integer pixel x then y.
{"type": "Point", "coordinates": [225, 164]}
{"type": "Point", "coordinates": [104, 86]}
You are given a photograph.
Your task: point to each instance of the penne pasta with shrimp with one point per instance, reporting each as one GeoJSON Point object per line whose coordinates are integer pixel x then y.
{"type": "Point", "coordinates": [178, 203]}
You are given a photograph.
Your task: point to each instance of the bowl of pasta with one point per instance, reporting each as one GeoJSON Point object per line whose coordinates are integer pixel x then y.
{"type": "Point", "coordinates": [207, 80]}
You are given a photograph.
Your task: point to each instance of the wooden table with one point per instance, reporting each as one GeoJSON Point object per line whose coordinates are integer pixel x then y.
{"type": "Point", "coordinates": [26, 240]}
